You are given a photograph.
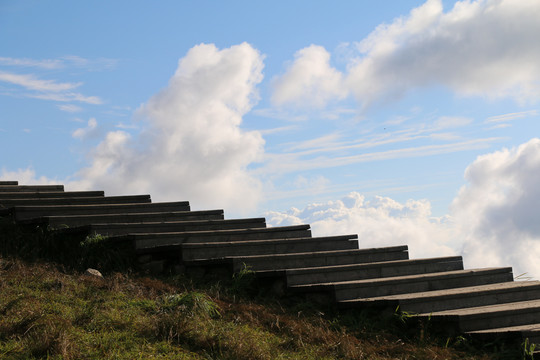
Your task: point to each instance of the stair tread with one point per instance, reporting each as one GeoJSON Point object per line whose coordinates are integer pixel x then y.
{"type": "Point", "coordinates": [455, 292]}
{"type": "Point", "coordinates": [225, 231]}
{"type": "Point", "coordinates": [317, 253]}
{"type": "Point", "coordinates": [264, 241]}
{"type": "Point", "coordinates": [488, 309]}
{"type": "Point", "coordinates": [374, 264]}
{"type": "Point", "coordinates": [508, 329]}
{"type": "Point", "coordinates": [98, 206]}
{"type": "Point", "coordinates": [415, 277]}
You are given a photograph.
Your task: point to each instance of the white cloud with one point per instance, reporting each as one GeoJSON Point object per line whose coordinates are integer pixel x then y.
{"type": "Point", "coordinates": [455, 49]}
{"type": "Point", "coordinates": [192, 146]}
{"type": "Point", "coordinates": [26, 176]}
{"type": "Point", "coordinates": [498, 209]}
{"type": "Point", "coordinates": [89, 131]}
{"type": "Point", "coordinates": [378, 222]}
{"type": "Point", "coordinates": [309, 80]}
{"type": "Point", "coordinates": [486, 48]}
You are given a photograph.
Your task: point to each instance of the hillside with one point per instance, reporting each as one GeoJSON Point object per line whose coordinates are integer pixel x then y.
{"type": "Point", "coordinates": [54, 313]}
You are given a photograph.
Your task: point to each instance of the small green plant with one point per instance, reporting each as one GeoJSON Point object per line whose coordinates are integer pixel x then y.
{"type": "Point", "coordinates": [242, 281]}
{"type": "Point", "coordinates": [528, 349]}
{"type": "Point", "coordinates": [403, 316]}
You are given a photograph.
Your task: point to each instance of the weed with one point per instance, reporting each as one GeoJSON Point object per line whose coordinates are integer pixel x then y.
{"type": "Point", "coordinates": [528, 350]}
{"type": "Point", "coordinates": [242, 281]}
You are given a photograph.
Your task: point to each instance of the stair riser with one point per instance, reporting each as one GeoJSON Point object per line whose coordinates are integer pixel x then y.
{"type": "Point", "coordinates": [133, 218]}
{"type": "Point", "coordinates": [76, 201]}
{"type": "Point", "coordinates": [24, 214]}
{"type": "Point", "coordinates": [522, 317]}
{"type": "Point", "coordinates": [179, 239]}
{"type": "Point", "coordinates": [266, 249]}
{"type": "Point", "coordinates": [371, 273]}
{"type": "Point", "coordinates": [31, 188]}
{"type": "Point", "coordinates": [164, 228]}
{"type": "Point", "coordinates": [50, 195]}
{"type": "Point", "coordinates": [315, 261]}
{"type": "Point", "coordinates": [492, 298]}
{"type": "Point", "coordinates": [412, 287]}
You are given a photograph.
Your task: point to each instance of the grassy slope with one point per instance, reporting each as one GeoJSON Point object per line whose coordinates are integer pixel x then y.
{"type": "Point", "coordinates": [47, 312]}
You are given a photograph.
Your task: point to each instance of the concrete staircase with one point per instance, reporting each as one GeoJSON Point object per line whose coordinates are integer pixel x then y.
{"type": "Point", "coordinates": [168, 237]}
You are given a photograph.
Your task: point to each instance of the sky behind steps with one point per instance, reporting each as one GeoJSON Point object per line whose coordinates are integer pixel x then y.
{"type": "Point", "coordinates": [406, 122]}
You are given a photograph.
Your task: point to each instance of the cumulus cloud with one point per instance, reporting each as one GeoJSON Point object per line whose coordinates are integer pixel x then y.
{"type": "Point", "coordinates": [486, 48]}
{"type": "Point", "coordinates": [497, 210]}
{"type": "Point", "coordinates": [455, 49]}
{"type": "Point", "coordinates": [309, 80]}
{"type": "Point", "coordinates": [192, 146]}
{"type": "Point", "coordinates": [378, 222]}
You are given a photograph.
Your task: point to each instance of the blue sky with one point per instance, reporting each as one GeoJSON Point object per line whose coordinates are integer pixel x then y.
{"type": "Point", "coordinates": [403, 121]}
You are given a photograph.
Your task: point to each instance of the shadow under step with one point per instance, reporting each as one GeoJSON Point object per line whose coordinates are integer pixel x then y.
{"type": "Point", "coordinates": [457, 298]}
{"type": "Point", "coordinates": [135, 218]}
{"type": "Point", "coordinates": [488, 317]}
{"type": "Point", "coordinates": [172, 241]}
{"type": "Point", "coordinates": [30, 212]}
{"type": "Point", "coordinates": [98, 200]}
{"type": "Point", "coordinates": [176, 226]}
{"type": "Point", "coordinates": [264, 254]}
{"type": "Point", "coordinates": [50, 194]}
{"type": "Point", "coordinates": [384, 269]}
{"type": "Point", "coordinates": [347, 290]}
{"type": "Point", "coordinates": [31, 188]}
{"type": "Point", "coordinates": [530, 332]}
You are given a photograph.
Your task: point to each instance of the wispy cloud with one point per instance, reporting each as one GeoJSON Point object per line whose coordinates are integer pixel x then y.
{"type": "Point", "coordinates": [293, 162]}
{"type": "Point", "coordinates": [60, 63]}
{"type": "Point", "coordinates": [31, 82]}
{"type": "Point", "coordinates": [46, 89]}
{"type": "Point", "coordinates": [510, 116]}
{"type": "Point", "coordinates": [25, 62]}
{"type": "Point", "coordinates": [70, 108]}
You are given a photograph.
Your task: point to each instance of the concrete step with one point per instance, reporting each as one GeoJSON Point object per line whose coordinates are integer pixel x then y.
{"type": "Point", "coordinates": [172, 241]}
{"type": "Point", "coordinates": [50, 194]}
{"type": "Point", "coordinates": [531, 332]}
{"type": "Point", "coordinates": [440, 300]}
{"type": "Point", "coordinates": [81, 220]}
{"type": "Point", "coordinates": [329, 274]}
{"type": "Point", "coordinates": [346, 290]}
{"type": "Point", "coordinates": [31, 188]}
{"type": "Point", "coordinates": [488, 317]}
{"type": "Point", "coordinates": [6, 182]}
{"type": "Point", "coordinates": [133, 199]}
{"type": "Point", "coordinates": [316, 258]}
{"type": "Point", "coordinates": [177, 226]}
{"type": "Point", "coordinates": [31, 212]}
{"type": "Point", "coordinates": [252, 251]}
